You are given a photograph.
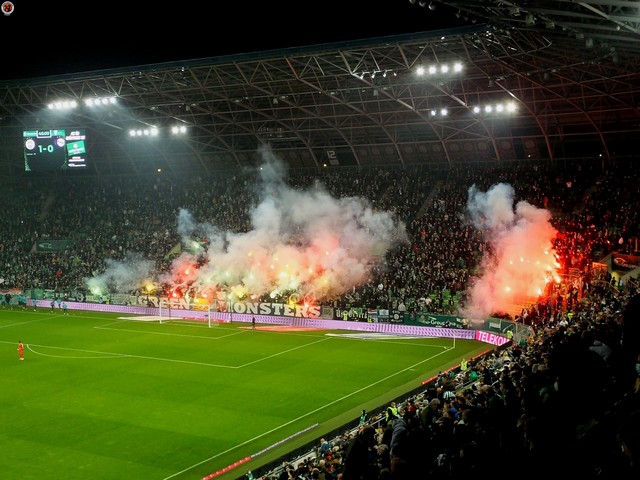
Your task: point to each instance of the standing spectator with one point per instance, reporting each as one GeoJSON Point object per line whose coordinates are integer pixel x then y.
{"type": "Point", "coordinates": [360, 460]}
{"type": "Point", "coordinates": [402, 308]}
{"type": "Point", "coordinates": [464, 365]}
{"type": "Point", "coordinates": [363, 418]}
{"type": "Point", "coordinates": [325, 446]}
{"type": "Point", "coordinates": [405, 445]}
{"type": "Point", "coordinates": [392, 413]}
{"type": "Point", "coordinates": [430, 414]}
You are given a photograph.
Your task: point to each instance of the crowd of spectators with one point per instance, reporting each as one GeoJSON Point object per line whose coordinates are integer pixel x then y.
{"type": "Point", "coordinates": [108, 218]}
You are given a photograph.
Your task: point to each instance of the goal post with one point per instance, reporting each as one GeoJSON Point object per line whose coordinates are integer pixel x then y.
{"type": "Point", "coordinates": [212, 320]}
{"type": "Point", "coordinates": [209, 316]}
{"type": "Point", "coordinates": [161, 312]}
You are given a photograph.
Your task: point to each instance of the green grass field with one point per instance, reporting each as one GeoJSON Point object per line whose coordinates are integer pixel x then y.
{"type": "Point", "coordinates": [101, 396]}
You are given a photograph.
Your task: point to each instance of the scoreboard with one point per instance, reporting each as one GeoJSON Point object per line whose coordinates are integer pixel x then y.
{"type": "Point", "coordinates": [54, 150]}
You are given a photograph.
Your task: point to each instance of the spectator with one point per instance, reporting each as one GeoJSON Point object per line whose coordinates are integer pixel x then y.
{"type": "Point", "coordinates": [360, 462]}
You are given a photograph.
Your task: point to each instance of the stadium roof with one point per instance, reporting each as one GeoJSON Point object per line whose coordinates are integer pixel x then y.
{"type": "Point", "coordinates": [570, 69]}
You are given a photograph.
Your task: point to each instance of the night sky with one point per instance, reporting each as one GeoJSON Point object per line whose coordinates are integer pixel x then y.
{"type": "Point", "coordinates": [72, 36]}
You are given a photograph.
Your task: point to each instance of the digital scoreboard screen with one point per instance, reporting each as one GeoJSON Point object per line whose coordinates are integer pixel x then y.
{"type": "Point", "coordinates": [54, 150]}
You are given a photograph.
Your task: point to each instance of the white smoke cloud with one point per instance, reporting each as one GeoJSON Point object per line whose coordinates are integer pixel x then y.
{"type": "Point", "coordinates": [300, 240]}
{"type": "Point", "coordinates": [125, 275]}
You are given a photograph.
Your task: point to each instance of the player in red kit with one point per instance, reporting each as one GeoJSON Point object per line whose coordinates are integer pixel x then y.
{"type": "Point", "coordinates": [20, 350]}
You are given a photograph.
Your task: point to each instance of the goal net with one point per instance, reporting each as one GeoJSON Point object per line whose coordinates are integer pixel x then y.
{"type": "Point", "coordinates": [198, 313]}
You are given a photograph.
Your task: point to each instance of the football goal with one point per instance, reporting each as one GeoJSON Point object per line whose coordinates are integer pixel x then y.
{"type": "Point", "coordinates": [207, 314]}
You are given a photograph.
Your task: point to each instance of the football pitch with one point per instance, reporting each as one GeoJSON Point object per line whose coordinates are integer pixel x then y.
{"type": "Point", "coordinates": [112, 397]}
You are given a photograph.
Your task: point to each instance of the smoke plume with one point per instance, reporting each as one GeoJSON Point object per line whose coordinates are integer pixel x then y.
{"type": "Point", "coordinates": [302, 242]}
{"type": "Point", "coordinates": [519, 260]}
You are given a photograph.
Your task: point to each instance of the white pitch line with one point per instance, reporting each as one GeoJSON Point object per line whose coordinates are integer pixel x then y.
{"type": "Point", "coordinates": [101, 327]}
{"type": "Point", "coordinates": [26, 323]}
{"type": "Point", "coordinates": [100, 355]}
{"type": "Point", "coordinates": [107, 326]}
{"type": "Point", "coordinates": [283, 352]}
{"type": "Point", "coordinates": [300, 417]}
{"type": "Point", "coordinates": [122, 355]}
